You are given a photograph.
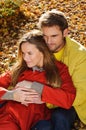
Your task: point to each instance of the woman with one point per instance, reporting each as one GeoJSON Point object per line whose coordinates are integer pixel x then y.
{"type": "Point", "coordinates": [35, 63]}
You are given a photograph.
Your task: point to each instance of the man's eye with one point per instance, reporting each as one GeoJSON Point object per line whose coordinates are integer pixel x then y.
{"type": "Point", "coordinates": [30, 53]}
{"type": "Point", "coordinates": [54, 36]}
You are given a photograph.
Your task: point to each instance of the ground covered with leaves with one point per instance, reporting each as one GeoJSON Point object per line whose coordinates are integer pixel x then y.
{"type": "Point", "coordinates": [20, 16]}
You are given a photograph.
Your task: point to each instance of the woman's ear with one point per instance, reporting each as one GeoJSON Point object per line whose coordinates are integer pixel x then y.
{"type": "Point", "coordinates": [65, 32]}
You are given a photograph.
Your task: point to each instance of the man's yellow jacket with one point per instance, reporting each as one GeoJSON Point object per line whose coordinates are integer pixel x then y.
{"type": "Point", "coordinates": [74, 56]}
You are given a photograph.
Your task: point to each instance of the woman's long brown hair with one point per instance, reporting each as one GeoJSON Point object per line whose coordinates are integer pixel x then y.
{"type": "Point", "coordinates": [49, 64]}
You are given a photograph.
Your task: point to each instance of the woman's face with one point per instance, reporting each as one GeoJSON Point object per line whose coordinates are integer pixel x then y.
{"type": "Point", "coordinates": [31, 55]}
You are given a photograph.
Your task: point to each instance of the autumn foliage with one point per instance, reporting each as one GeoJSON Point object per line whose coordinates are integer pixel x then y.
{"type": "Point", "coordinates": [20, 16]}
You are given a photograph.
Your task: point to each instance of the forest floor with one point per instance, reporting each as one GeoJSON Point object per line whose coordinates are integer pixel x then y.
{"type": "Point", "coordinates": [26, 18]}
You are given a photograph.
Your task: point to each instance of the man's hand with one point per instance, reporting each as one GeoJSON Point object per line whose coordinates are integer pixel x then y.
{"type": "Point", "coordinates": [31, 95]}
{"type": "Point", "coordinates": [24, 83]}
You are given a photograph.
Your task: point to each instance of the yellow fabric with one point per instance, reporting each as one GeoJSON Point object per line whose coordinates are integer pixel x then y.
{"type": "Point", "coordinates": [74, 56]}
{"type": "Point", "coordinates": [50, 106]}
{"type": "Point", "coordinates": [58, 57]}
{"type": "Point", "coordinates": [59, 54]}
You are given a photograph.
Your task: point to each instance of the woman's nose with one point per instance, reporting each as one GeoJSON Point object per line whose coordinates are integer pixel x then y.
{"type": "Point", "coordinates": [26, 57]}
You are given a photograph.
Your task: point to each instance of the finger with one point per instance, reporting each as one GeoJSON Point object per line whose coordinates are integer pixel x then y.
{"type": "Point", "coordinates": [28, 93]}
{"type": "Point", "coordinates": [31, 90]}
{"type": "Point", "coordinates": [31, 95]}
{"type": "Point", "coordinates": [26, 104]}
{"type": "Point", "coordinates": [21, 88]}
{"type": "Point", "coordinates": [35, 102]}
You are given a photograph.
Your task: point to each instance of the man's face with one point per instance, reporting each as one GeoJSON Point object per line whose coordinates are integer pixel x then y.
{"type": "Point", "coordinates": [54, 38]}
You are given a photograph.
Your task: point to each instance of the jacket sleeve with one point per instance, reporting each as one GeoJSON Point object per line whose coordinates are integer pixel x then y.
{"type": "Point", "coordinates": [79, 80]}
{"type": "Point", "coordinates": [75, 58]}
{"type": "Point", "coordinates": [5, 80]}
{"type": "Point", "coordinates": [63, 96]}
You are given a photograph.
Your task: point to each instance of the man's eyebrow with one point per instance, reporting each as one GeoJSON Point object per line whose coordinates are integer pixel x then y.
{"type": "Point", "coordinates": [50, 35]}
{"type": "Point", "coordinates": [44, 34]}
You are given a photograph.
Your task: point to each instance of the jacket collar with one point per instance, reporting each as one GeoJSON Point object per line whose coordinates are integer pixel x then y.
{"type": "Point", "coordinates": [35, 68]}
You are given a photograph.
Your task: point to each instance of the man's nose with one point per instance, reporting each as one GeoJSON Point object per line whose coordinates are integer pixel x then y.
{"type": "Point", "coordinates": [49, 40]}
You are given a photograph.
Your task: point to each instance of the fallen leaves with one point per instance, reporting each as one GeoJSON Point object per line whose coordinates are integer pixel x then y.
{"type": "Point", "coordinates": [25, 18]}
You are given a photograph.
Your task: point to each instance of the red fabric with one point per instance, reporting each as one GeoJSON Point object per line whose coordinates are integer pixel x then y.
{"type": "Point", "coordinates": [16, 116]}
{"type": "Point", "coordinates": [63, 97]}
{"type": "Point", "coordinates": [4, 82]}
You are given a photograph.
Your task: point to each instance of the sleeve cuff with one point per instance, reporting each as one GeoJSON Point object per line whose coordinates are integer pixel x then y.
{"type": "Point", "coordinates": [38, 87]}
{"type": "Point", "coordinates": [8, 96]}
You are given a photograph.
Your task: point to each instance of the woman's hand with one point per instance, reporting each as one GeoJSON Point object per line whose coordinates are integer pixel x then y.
{"type": "Point", "coordinates": [26, 96]}
{"type": "Point", "coordinates": [18, 94]}
{"type": "Point", "coordinates": [32, 95]}
{"type": "Point", "coordinates": [23, 94]}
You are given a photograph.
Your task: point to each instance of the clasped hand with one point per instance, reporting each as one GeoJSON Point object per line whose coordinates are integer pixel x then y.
{"type": "Point", "coordinates": [24, 94]}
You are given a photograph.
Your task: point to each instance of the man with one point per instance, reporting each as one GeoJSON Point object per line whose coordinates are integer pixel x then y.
{"type": "Point", "coordinates": [54, 26]}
